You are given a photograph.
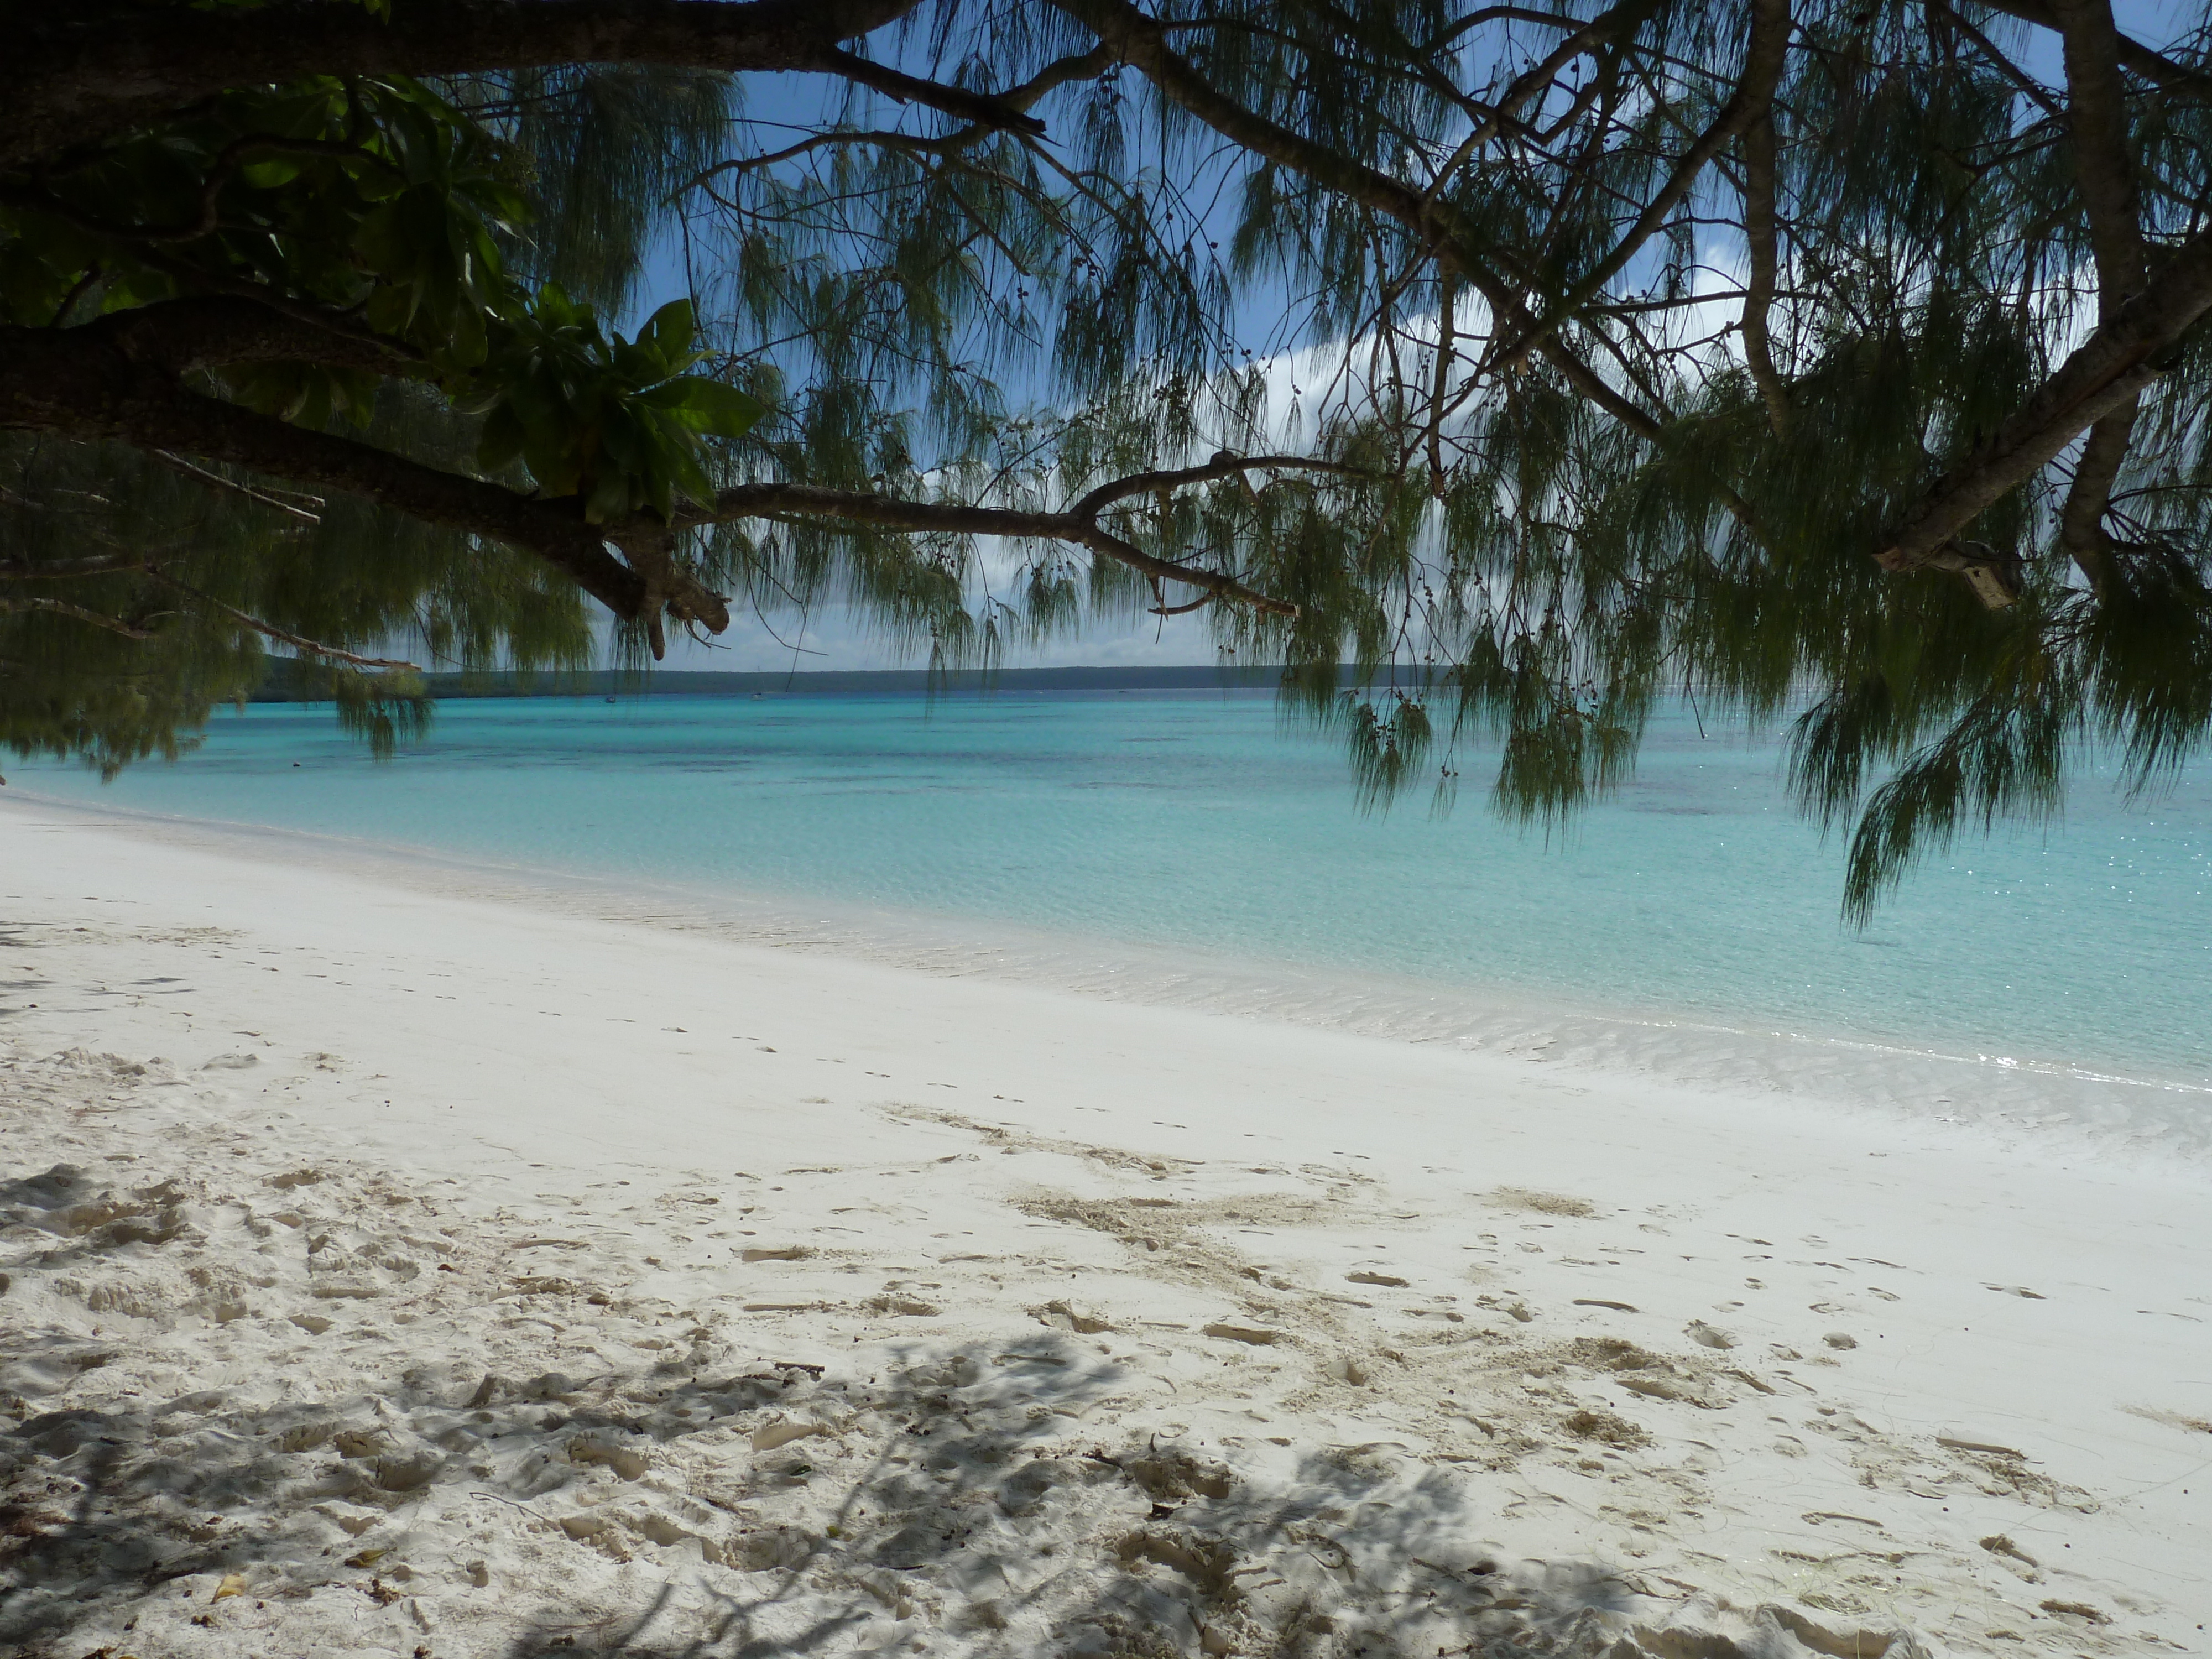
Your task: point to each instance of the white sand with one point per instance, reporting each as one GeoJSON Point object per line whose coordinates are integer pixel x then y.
{"type": "Point", "coordinates": [441, 1275]}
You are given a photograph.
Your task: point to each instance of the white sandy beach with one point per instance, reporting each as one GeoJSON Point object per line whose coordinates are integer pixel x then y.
{"type": "Point", "coordinates": [389, 1270]}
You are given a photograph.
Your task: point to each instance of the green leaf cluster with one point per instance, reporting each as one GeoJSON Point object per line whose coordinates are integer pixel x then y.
{"type": "Point", "coordinates": [384, 206]}
{"type": "Point", "coordinates": [616, 422]}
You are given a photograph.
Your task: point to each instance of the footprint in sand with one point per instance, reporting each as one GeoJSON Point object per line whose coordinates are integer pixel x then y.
{"type": "Point", "coordinates": [2013, 1559]}
{"type": "Point", "coordinates": [1254, 1335]}
{"type": "Point", "coordinates": [1523, 1198]}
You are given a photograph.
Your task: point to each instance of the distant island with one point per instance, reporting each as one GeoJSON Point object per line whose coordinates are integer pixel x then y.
{"type": "Point", "coordinates": [282, 686]}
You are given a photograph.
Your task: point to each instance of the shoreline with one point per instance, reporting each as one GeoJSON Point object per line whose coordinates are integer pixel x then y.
{"type": "Point", "coordinates": [1718, 895]}
{"type": "Point", "coordinates": [415, 1270]}
{"type": "Point", "coordinates": [2095, 1110]}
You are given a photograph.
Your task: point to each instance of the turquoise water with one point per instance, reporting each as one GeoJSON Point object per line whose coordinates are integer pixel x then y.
{"type": "Point", "coordinates": [1191, 820]}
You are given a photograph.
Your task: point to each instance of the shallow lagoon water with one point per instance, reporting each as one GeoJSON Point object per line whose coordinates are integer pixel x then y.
{"type": "Point", "coordinates": [1192, 819]}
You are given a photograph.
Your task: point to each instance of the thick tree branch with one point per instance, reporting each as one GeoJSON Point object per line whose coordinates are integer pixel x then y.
{"type": "Point", "coordinates": [982, 112]}
{"type": "Point", "coordinates": [2028, 87]}
{"type": "Point", "coordinates": [783, 500]}
{"type": "Point", "coordinates": [2137, 59]}
{"type": "Point", "coordinates": [2082, 519]}
{"type": "Point", "coordinates": [2104, 171]}
{"type": "Point", "coordinates": [1224, 465]}
{"type": "Point", "coordinates": [1136, 38]}
{"type": "Point", "coordinates": [216, 332]}
{"type": "Point", "coordinates": [83, 383]}
{"type": "Point", "coordinates": [1081, 67]}
{"type": "Point", "coordinates": [116, 379]}
{"type": "Point", "coordinates": [1440, 382]}
{"type": "Point", "coordinates": [1758, 229]}
{"type": "Point", "coordinates": [76, 74]}
{"type": "Point", "coordinates": [1620, 22]}
{"type": "Point", "coordinates": [2106, 372]}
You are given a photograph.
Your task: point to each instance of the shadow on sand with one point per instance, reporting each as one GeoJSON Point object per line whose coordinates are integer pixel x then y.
{"type": "Point", "coordinates": [943, 1505]}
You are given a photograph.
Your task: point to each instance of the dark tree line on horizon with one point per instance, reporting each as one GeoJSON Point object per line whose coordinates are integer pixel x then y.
{"type": "Point", "coordinates": [1821, 357]}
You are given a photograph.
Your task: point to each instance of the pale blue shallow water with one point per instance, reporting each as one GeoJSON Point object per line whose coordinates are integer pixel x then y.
{"type": "Point", "coordinates": [1191, 820]}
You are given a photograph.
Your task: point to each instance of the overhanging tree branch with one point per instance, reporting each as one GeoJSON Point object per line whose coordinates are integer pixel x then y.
{"type": "Point", "coordinates": [2105, 172]}
{"type": "Point", "coordinates": [116, 379]}
{"type": "Point", "coordinates": [786, 501]}
{"type": "Point", "coordinates": [1080, 67]}
{"type": "Point", "coordinates": [2107, 370]}
{"type": "Point", "coordinates": [81, 613]}
{"type": "Point", "coordinates": [2153, 65]}
{"type": "Point", "coordinates": [282, 637]}
{"type": "Point", "coordinates": [222, 331]}
{"type": "Point", "coordinates": [76, 74]}
{"type": "Point", "coordinates": [83, 383]}
{"type": "Point", "coordinates": [1760, 237]}
{"type": "Point", "coordinates": [1224, 465]}
{"type": "Point", "coordinates": [987, 113]}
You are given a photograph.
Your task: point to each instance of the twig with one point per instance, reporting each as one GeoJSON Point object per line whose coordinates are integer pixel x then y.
{"type": "Point", "coordinates": [98, 619]}
{"type": "Point", "coordinates": [178, 464]}
{"type": "Point", "coordinates": [296, 642]}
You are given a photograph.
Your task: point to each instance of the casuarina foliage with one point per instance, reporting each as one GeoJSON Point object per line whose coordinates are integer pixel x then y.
{"type": "Point", "coordinates": [1828, 359]}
